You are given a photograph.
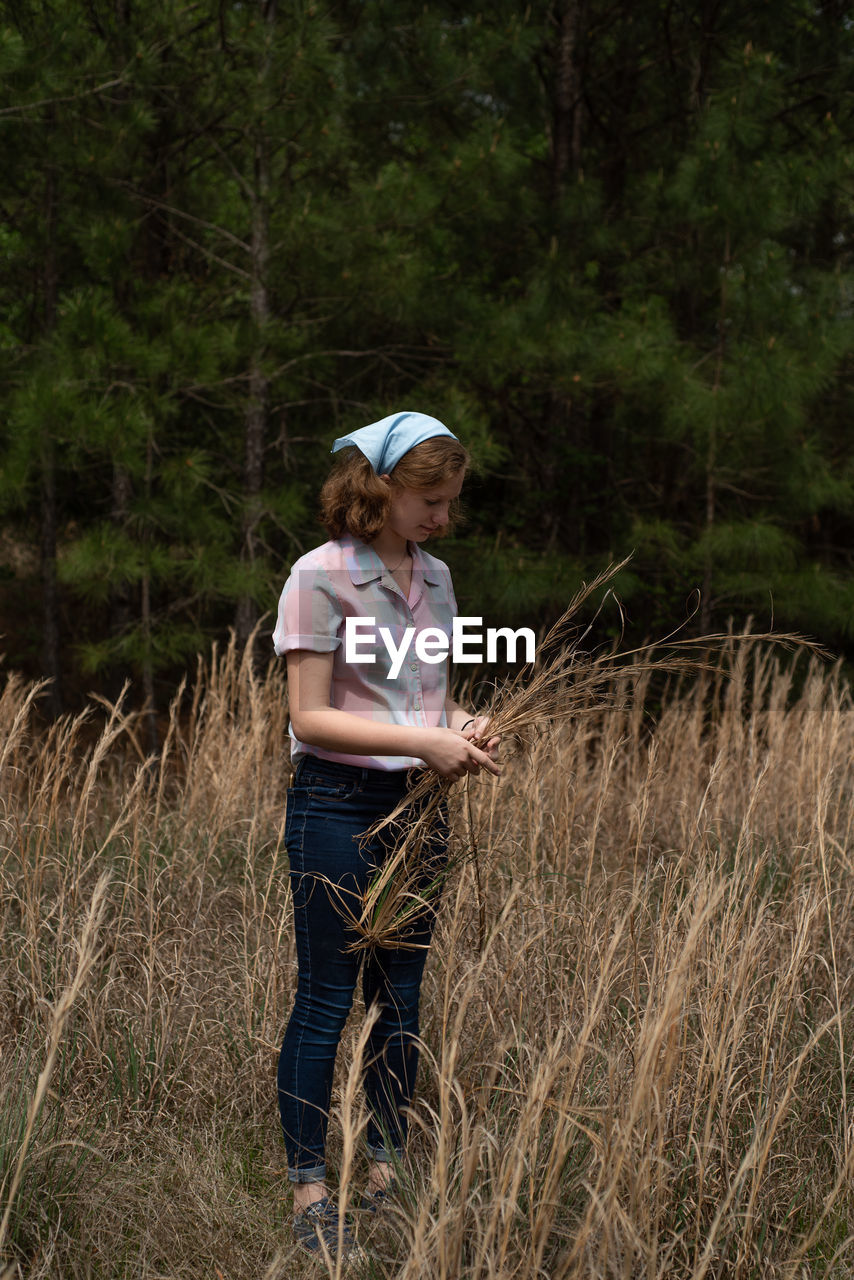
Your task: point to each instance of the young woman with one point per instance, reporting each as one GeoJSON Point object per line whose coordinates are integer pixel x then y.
{"type": "Point", "coordinates": [360, 721]}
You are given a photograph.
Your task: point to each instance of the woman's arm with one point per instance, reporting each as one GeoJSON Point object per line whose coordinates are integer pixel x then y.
{"type": "Point", "coordinates": [319, 725]}
{"type": "Point", "coordinates": [456, 715]}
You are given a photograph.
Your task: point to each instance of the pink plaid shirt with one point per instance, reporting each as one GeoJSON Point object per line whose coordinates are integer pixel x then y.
{"type": "Point", "coordinates": [346, 578]}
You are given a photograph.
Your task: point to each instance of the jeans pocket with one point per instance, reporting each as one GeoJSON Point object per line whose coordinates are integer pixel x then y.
{"type": "Point", "coordinates": [322, 791]}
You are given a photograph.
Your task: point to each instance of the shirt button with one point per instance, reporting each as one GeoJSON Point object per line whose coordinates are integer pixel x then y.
{"type": "Point", "coordinates": [413, 666]}
{"type": "Point", "coordinates": [417, 706]}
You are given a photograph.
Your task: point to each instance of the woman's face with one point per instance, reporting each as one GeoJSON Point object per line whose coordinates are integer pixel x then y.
{"type": "Point", "coordinates": [415, 514]}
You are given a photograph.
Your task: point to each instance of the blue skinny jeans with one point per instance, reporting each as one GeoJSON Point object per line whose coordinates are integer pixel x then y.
{"type": "Point", "coordinates": [330, 805]}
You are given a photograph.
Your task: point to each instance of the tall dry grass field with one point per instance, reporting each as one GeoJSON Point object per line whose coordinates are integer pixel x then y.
{"type": "Point", "coordinates": [643, 1071]}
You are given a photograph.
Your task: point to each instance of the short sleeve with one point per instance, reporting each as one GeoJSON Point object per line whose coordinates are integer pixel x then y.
{"type": "Point", "coordinates": [310, 614]}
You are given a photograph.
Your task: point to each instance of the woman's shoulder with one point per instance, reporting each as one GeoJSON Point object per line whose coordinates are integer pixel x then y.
{"type": "Point", "coordinates": [329, 556]}
{"type": "Point", "coordinates": [432, 564]}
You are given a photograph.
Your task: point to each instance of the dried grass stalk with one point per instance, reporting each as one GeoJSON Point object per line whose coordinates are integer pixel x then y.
{"type": "Point", "coordinates": [87, 954]}
{"type": "Point", "coordinates": [645, 1072]}
{"type": "Point", "coordinates": [570, 683]}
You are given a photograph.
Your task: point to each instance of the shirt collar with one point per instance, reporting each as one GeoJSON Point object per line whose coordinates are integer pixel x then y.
{"type": "Point", "coordinates": [365, 565]}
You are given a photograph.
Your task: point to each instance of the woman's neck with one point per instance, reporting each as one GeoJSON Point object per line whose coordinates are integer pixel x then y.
{"type": "Point", "coordinates": [391, 548]}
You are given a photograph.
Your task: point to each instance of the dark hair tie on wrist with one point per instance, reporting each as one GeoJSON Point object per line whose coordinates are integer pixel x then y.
{"type": "Point", "coordinates": [467, 723]}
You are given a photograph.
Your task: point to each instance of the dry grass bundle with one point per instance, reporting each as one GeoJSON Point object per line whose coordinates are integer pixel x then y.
{"type": "Point", "coordinates": [644, 1072]}
{"type": "Point", "coordinates": [571, 683]}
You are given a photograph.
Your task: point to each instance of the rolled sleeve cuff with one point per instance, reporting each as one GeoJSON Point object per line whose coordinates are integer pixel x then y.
{"type": "Point", "coordinates": [318, 644]}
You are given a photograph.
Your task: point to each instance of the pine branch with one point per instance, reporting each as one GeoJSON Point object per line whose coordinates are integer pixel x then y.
{"type": "Point", "coordinates": [20, 112]}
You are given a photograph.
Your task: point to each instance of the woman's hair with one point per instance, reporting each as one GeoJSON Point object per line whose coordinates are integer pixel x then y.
{"type": "Point", "coordinates": [354, 499]}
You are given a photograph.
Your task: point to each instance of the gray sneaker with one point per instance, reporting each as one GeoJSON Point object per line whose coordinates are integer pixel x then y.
{"type": "Point", "coordinates": [317, 1226]}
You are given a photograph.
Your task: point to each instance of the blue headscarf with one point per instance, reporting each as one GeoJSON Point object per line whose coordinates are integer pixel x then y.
{"type": "Point", "coordinates": [384, 443]}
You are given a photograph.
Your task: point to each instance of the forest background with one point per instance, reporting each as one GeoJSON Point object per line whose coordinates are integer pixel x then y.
{"type": "Point", "coordinates": [610, 243]}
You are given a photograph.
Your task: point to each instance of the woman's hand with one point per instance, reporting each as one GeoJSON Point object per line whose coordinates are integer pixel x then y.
{"type": "Point", "coordinates": [478, 730]}
{"type": "Point", "coordinates": [452, 754]}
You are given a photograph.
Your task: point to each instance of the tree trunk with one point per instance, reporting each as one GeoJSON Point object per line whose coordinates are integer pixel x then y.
{"type": "Point", "coordinates": [120, 595]}
{"type": "Point", "coordinates": [257, 409]}
{"type": "Point", "coordinates": [51, 645]}
{"type": "Point", "coordinates": [567, 110]}
{"type": "Point", "coordinates": [568, 105]}
{"type": "Point", "coordinates": [152, 735]}
{"type": "Point", "coordinates": [51, 642]}
{"type": "Point", "coordinates": [711, 503]}
{"type": "Point", "coordinates": [712, 449]}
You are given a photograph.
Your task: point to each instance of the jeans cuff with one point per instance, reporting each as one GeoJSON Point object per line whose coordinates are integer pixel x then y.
{"type": "Point", "coordinates": [380, 1153]}
{"type": "Point", "coordinates": [315, 1174]}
